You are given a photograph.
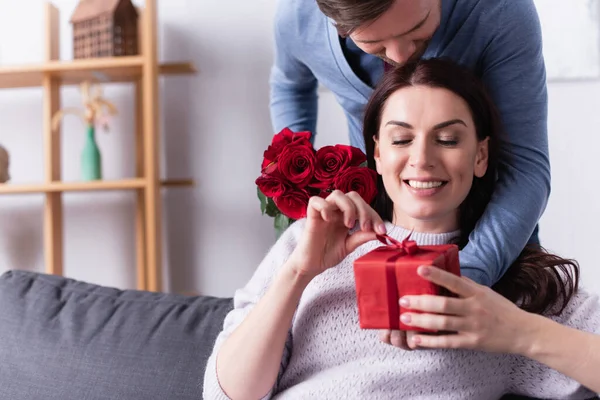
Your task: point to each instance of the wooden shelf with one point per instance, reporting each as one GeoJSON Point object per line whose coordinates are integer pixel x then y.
{"type": "Point", "coordinates": [58, 187]}
{"type": "Point", "coordinates": [108, 69]}
{"type": "Point", "coordinates": [143, 72]}
{"type": "Point", "coordinates": [125, 184]}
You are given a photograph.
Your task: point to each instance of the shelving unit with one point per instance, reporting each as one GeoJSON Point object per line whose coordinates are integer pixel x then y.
{"type": "Point", "coordinates": [143, 72]}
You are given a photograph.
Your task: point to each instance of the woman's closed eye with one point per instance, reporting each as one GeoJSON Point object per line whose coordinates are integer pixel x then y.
{"type": "Point", "coordinates": [401, 142]}
{"type": "Point", "coordinates": [448, 142]}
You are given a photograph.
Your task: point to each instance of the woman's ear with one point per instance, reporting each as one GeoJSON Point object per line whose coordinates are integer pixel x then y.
{"type": "Point", "coordinates": [481, 158]}
{"type": "Point", "coordinates": [376, 155]}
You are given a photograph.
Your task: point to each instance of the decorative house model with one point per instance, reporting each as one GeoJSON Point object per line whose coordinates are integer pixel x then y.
{"type": "Point", "coordinates": [105, 28]}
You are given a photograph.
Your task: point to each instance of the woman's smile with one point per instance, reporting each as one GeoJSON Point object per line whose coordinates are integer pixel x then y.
{"type": "Point", "coordinates": [425, 187]}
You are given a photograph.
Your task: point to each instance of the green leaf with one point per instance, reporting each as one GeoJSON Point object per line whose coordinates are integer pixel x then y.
{"type": "Point", "coordinates": [271, 208]}
{"type": "Point", "coordinates": [364, 164]}
{"type": "Point", "coordinates": [281, 223]}
{"type": "Point", "coordinates": [263, 200]}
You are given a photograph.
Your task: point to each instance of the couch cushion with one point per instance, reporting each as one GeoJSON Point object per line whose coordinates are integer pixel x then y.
{"type": "Point", "coordinates": [62, 339]}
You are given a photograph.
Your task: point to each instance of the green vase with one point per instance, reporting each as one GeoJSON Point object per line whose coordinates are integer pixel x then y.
{"type": "Point", "coordinates": [91, 161]}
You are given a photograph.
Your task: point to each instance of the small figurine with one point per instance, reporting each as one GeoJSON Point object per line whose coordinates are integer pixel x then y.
{"type": "Point", "coordinates": [95, 111]}
{"type": "Point", "coordinates": [4, 163]}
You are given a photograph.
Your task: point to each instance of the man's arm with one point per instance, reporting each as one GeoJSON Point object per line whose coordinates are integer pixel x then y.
{"type": "Point", "coordinates": [293, 100]}
{"type": "Point", "coordinates": [515, 74]}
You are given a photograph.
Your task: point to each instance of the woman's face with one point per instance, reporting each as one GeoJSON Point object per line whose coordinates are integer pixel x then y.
{"type": "Point", "coordinates": [427, 154]}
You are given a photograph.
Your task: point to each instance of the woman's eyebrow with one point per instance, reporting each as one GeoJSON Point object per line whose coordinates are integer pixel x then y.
{"type": "Point", "coordinates": [439, 126]}
{"type": "Point", "coordinates": [448, 123]}
{"type": "Point", "coordinates": [399, 123]}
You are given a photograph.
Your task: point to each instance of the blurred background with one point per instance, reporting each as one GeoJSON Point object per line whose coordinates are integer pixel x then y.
{"type": "Point", "coordinates": [215, 126]}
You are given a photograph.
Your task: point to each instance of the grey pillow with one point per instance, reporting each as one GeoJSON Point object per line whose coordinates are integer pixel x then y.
{"type": "Point", "coordinates": [62, 339]}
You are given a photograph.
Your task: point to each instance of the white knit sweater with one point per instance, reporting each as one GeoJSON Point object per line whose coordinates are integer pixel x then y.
{"type": "Point", "coordinates": [329, 357]}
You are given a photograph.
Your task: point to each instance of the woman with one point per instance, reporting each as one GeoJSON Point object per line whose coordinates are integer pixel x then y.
{"type": "Point", "coordinates": [294, 328]}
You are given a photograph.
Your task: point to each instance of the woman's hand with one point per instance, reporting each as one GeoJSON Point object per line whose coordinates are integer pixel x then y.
{"type": "Point", "coordinates": [326, 241]}
{"type": "Point", "coordinates": [401, 339]}
{"type": "Point", "coordinates": [481, 319]}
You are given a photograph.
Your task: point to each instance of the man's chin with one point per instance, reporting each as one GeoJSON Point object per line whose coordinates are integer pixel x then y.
{"type": "Point", "coordinates": [394, 64]}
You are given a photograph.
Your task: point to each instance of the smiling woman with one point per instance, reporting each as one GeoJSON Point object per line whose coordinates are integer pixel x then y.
{"type": "Point", "coordinates": [431, 134]}
{"type": "Point", "coordinates": [427, 152]}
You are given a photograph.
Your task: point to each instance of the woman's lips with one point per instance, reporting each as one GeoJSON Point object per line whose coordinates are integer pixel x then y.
{"type": "Point", "coordinates": [424, 188]}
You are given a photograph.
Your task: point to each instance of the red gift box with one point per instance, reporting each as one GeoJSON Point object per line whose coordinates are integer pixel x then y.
{"type": "Point", "coordinates": [389, 272]}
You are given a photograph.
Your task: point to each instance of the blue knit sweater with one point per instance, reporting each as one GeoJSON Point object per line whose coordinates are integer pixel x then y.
{"type": "Point", "coordinates": [500, 40]}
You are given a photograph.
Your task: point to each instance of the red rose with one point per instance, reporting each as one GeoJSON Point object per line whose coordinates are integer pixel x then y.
{"type": "Point", "coordinates": [333, 159]}
{"type": "Point", "coordinates": [287, 136]}
{"type": "Point", "coordinates": [354, 155]}
{"type": "Point", "coordinates": [279, 141]}
{"type": "Point", "coordinates": [271, 185]}
{"type": "Point", "coordinates": [270, 155]}
{"type": "Point", "coordinates": [293, 203]}
{"type": "Point", "coordinates": [297, 162]}
{"type": "Point", "coordinates": [359, 179]}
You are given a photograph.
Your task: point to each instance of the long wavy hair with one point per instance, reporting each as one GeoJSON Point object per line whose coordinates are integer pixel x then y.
{"type": "Point", "coordinates": [537, 281]}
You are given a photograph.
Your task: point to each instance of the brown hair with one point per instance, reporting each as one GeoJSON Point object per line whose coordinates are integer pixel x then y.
{"type": "Point", "coordinates": [538, 281]}
{"type": "Point", "coordinates": [350, 14]}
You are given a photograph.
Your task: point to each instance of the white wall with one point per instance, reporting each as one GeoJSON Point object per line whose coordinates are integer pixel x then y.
{"type": "Point", "coordinates": [216, 125]}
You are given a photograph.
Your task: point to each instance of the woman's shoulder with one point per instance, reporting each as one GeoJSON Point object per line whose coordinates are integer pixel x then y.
{"type": "Point", "coordinates": [582, 312]}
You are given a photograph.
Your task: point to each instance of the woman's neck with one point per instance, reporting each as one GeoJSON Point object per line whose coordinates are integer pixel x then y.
{"type": "Point", "coordinates": [399, 232]}
{"type": "Point", "coordinates": [440, 224]}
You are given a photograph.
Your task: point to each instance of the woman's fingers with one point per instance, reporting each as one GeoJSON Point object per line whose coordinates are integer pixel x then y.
{"type": "Point", "coordinates": [398, 339]}
{"type": "Point", "coordinates": [384, 336]}
{"type": "Point", "coordinates": [368, 217]}
{"type": "Point", "coordinates": [321, 208]}
{"type": "Point", "coordinates": [456, 284]}
{"type": "Point", "coordinates": [435, 304]}
{"type": "Point", "coordinates": [353, 208]}
{"type": "Point", "coordinates": [435, 322]}
{"type": "Point", "coordinates": [337, 200]}
{"type": "Point", "coordinates": [451, 341]}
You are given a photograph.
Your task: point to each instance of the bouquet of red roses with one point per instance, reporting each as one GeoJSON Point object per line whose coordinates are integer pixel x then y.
{"type": "Point", "coordinates": [292, 171]}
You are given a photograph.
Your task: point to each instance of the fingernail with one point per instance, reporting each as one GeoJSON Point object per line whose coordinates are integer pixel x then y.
{"type": "Point", "coordinates": [404, 302]}
{"type": "Point", "coordinates": [381, 229]}
{"type": "Point", "coordinates": [405, 318]}
{"type": "Point", "coordinates": [416, 339]}
{"type": "Point", "coordinates": [424, 270]}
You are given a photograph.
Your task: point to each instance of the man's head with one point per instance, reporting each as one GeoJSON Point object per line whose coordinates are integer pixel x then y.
{"type": "Point", "coordinates": [398, 31]}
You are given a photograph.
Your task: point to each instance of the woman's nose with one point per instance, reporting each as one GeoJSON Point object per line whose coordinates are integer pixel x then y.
{"type": "Point", "coordinates": [422, 156]}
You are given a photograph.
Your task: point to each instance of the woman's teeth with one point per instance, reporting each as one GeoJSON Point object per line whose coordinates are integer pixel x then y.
{"type": "Point", "coordinates": [424, 185]}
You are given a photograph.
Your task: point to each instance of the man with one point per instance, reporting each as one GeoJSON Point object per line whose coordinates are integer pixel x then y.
{"type": "Point", "coordinates": [341, 44]}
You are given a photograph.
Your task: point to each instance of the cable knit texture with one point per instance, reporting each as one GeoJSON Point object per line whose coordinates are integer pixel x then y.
{"type": "Point", "coordinates": [328, 356]}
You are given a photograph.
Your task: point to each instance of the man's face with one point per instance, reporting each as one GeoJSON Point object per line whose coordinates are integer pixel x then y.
{"type": "Point", "coordinates": [402, 33]}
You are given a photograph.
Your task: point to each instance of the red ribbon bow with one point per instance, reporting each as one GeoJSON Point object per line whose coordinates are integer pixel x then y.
{"type": "Point", "coordinates": [406, 246]}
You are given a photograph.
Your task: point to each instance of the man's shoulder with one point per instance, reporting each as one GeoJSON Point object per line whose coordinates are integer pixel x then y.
{"type": "Point", "coordinates": [498, 27]}
{"type": "Point", "coordinates": [493, 12]}
{"type": "Point", "coordinates": [300, 22]}
{"type": "Point", "coordinates": [297, 13]}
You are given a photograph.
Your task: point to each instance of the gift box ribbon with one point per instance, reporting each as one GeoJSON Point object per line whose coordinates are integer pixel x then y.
{"type": "Point", "coordinates": [403, 248]}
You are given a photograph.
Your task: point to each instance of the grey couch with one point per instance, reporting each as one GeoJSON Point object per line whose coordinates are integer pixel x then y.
{"type": "Point", "coordinates": [62, 339]}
